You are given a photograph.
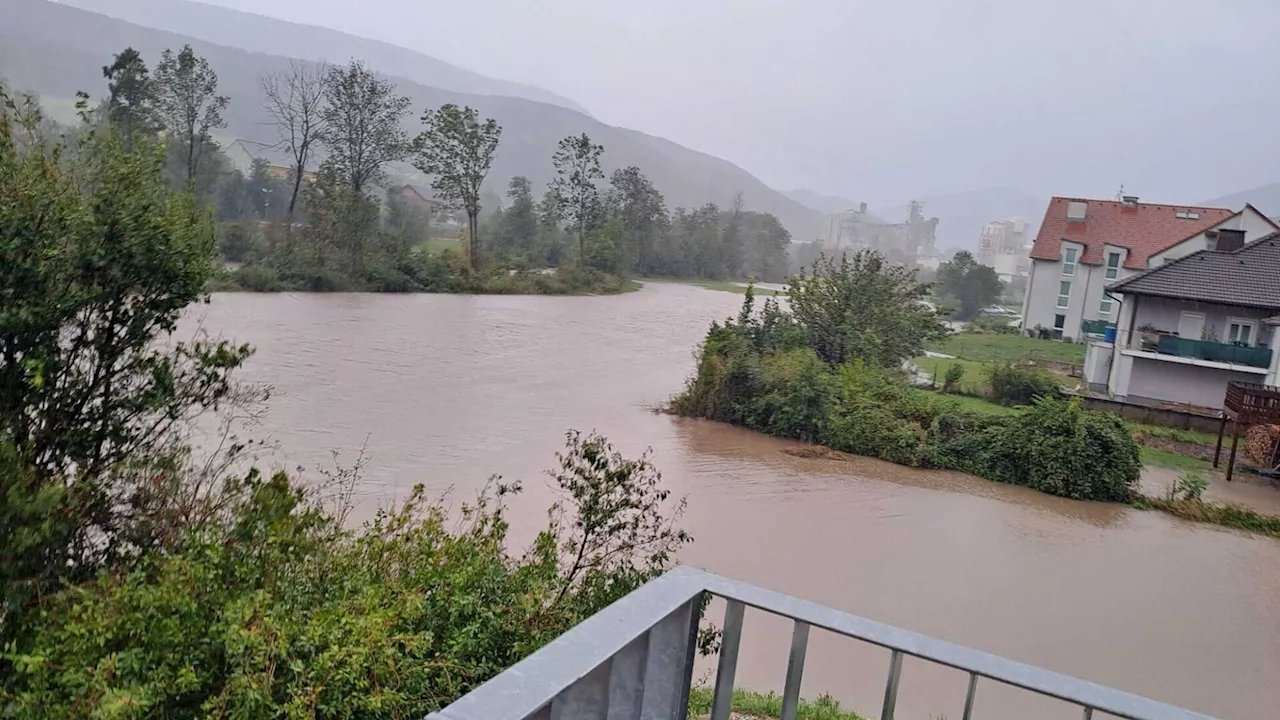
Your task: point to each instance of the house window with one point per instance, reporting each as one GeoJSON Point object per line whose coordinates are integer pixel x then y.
{"type": "Point", "coordinates": [1241, 332]}
{"type": "Point", "coordinates": [1069, 261]}
{"type": "Point", "coordinates": [1059, 322]}
{"type": "Point", "coordinates": [1104, 307]}
{"type": "Point", "coordinates": [1064, 293]}
{"type": "Point", "coordinates": [1113, 265]}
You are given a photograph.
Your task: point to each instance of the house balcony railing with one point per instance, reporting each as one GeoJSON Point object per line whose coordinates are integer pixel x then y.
{"type": "Point", "coordinates": [634, 660]}
{"type": "Point", "coordinates": [1259, 357]}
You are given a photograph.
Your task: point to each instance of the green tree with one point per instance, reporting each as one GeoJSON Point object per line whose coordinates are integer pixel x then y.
{"type": "Point", "coordinates": [644, 218]}
{"type": "Point", "coordinates": [519, 226]}
{"type": "Point", "coordinates": [577, 199]}
{"type": "Point", "coordinates": [188, 104]}
{"type": "Point", "coordinates": [973, 286]}
{"type": "Point", "coordinates": [456, 150]}
{"type": "Point", "coordinates": [361, 125]}
{"type": "Point", "coordinates": [863, 307]}
{"type": "Point", "coordinates": [97, 263]}
{"type": "Point", "coordinates": [131, 94]}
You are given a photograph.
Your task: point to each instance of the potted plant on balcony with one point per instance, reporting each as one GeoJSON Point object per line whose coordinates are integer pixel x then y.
{"type": "Point", "coordinates": [1149, 337]}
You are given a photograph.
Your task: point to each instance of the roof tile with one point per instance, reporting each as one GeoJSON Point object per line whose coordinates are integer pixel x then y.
{"type": "Point", "coordinates": [1248, 277]}
{"type": "Point", "coordinates": [1145, 229]}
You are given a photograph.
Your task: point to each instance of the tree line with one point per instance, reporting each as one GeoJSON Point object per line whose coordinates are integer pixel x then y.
{"type": "Point", "coordinates": [340, 227]}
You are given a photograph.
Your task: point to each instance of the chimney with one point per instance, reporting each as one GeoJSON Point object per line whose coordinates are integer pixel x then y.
{"type": "Point", "coordinates": [1229, 240]}
{"type": "Point", "coordinates": [1076, 210]}
{"type": "Point", "coordinates": [1129, 200]}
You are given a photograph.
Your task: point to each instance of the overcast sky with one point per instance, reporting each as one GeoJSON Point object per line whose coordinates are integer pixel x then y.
{"type": "Point", "coordinates": [881, 100]}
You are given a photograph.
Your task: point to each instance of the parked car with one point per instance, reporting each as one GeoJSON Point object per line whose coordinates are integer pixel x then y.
{"type": "Point", "coordinates": [998, 310]}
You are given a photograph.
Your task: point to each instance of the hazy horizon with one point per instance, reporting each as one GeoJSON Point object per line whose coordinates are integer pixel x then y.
{"type": "Point", "coordinates": [883, 101]}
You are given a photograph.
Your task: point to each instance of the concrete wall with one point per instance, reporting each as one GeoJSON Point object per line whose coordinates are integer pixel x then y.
{"type": "Point", "coordinates": [1155, 416]}
{"type": "Point", "coordinates": [1163, 381]}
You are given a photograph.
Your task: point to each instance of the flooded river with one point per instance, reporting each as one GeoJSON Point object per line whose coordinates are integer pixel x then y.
{"type": "Point", "coordinates": [449, 390]}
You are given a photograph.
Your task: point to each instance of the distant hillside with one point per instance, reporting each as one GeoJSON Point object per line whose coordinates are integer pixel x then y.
{"type": "Point", "coordinates": [1264, 197]}
{"type": "Point", "coordinates": [825, 204]}
{"type": "Point", "coordinates": [962, 215]}
{"type": "Point", "coordinates": [56, 49]}
{"type": "Point", "coordinates": [258, 33]}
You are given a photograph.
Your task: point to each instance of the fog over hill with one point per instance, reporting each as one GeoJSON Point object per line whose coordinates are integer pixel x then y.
{"type": "Point", "coordinates": [57, 50]}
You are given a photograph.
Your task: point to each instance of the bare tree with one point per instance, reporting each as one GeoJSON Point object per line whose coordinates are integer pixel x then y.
{"type": "Point", "coordinates": [188, 103]}
{"type": "Point", "coordinates": [362, 130]}
{"type": "Point", "coordinates": [295, 100]}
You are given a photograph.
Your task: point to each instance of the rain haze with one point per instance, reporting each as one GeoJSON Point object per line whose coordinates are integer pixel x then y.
{"type": "Point", "coordinates": [882, 101]}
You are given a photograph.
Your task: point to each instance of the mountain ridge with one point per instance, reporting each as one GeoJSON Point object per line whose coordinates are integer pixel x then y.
{"type": "Point", "coordinates": [272, 36]}
{"type": "Point", "coordinates": [57, 49]}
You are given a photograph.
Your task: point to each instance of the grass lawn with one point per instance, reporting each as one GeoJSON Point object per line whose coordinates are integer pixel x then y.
{"type": "Point", "coordinates": [1165, 459]}
{"type": "Point", "coordinates": [1007, 348]}
{"type": "Point", "coordinates": [975, 373]}
{"type": "Point", "coordinates": [1176, 434]}
{"type": "Point", "coordinates": [437, 245]}
{"type": "Point", "coordinates": [769, 705]}
{"type": "Point", "coordinates": [722, 285]}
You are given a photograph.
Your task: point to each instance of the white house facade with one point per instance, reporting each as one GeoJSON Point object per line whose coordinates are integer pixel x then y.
{"type": "Point", "coordinates": [1085, 245]}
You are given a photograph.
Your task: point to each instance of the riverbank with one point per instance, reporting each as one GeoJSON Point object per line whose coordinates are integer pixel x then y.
{"type": "Point", "coordinates": [733, 286]}
{"type": "Point", "coordinates": [426, 276]}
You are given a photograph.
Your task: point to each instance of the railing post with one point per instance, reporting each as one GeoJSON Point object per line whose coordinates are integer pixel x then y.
{"type": "Point", "coordinates": [891, 686]}
{"type": "Point", "coordinates": [668, 666]}
{"type": "Point", "coordinates": [968, 697]}
{"type": "Point", "coordinates": [795, 669]}
{"type": "Point", "coordinates": [722, 701]}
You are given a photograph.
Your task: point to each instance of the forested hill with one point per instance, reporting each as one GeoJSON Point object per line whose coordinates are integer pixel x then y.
{"type": "Point", "coordinates": [259, 33]}
{"type": "Point", "coordinates": [57, 50]}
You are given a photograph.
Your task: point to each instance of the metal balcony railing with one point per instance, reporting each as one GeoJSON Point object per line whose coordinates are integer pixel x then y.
{"type": "Point", "coordinates": [1219, 352]}
{"type": "Point", "coordinates": [634, 659]}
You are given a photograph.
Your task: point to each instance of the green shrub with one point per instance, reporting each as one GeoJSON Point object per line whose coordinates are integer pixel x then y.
{"type": "Point", "coordinates": [1055, 447]}
{"type": "Point", "coordinates": [385, 278]}
{"type": "Point", "coordinates": [798, 395]}
{"type": "Point", "coordinates": [864, 427]}
{"type": "Point", "coordinates": [1012, 385]}
{"type": "Point", "coordinates": [281, 612]}
{"type": "Point", "coordinates": [955, 373]}
{"type": "Point", "coordinates": [256, 278]}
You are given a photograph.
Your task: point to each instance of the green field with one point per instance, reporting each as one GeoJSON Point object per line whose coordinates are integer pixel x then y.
{"type": "Point", "coordinates": [722, 285]}
{"type": "Point", "coordinates": [437, 245]}
{"type": "Point", "coordinates": [1007, 348]}
{"type": "Point", "coordinates": [1156, 457]}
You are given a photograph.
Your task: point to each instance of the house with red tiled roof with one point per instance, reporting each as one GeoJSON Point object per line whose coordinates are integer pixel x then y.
{"type": "Point", "coordinates": [1084, 245]}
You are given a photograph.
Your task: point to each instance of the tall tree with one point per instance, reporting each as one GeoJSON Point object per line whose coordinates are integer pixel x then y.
{"type": "Point", "coordinates": [361, 125]}
{"type": "Point", "coordinates": [643, 213]}
{"type": "Point", "coordinates": [863, 307]}
{"type": "Point", "coordinates": [577, 199]}
{"type": "Point", "coordinates": [131, 95]}
{"type": "Point", "coordinates": [731, 240]}
{"type": "Point", "coordinates": [519, 226]}
{"type": "Point", "coordinates": [188, 103]}
{"type": "Point", "coordinates": [973, 286]}
{"type": "Point", "coordinates": [295, 100]}
{"type": "Point", "coordinates": [456, 150]}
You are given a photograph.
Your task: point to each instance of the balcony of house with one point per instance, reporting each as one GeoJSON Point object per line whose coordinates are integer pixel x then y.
{"type": "Point", "coordinates": [1234, 357]}
{"type": "Point", "coordinates": [635, 659]}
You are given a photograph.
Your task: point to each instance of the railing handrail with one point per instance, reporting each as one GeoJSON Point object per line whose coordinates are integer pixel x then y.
{"type": "Point", "coordinates": [529, 685]}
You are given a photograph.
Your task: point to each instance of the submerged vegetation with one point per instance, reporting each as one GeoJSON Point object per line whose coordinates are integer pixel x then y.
{"type": "Point", "coordinates": [822, 372]}
{"type": "Point", "coordinates": [139, 578]}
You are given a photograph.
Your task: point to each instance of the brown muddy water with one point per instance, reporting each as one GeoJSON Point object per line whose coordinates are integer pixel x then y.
{"type": "Point", "coordinates": [448, 390]}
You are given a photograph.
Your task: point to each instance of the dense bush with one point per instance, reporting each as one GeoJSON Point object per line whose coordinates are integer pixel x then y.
{"type": "Point", "coordinates": [1012, 385]}
{"type": "Point", "coordinates": [750, 373]}
{"type": "Point", "coordinates": [1054, 446]}
{"type": "Point", "coordinates": [278, 611]}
